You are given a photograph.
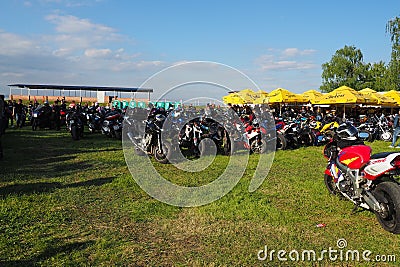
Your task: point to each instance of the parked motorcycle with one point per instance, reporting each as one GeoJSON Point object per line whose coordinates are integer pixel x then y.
{"type": "Point", "coordinates": [150, 142]}
{"type": "Point", "coordinates": [41, 117]}
{"type": "Point", "coordinates": [75, 124]}
{"type": "Point", "coordinates": [364, 179]}
{"type": "Point", "coordinates": [110, 124]}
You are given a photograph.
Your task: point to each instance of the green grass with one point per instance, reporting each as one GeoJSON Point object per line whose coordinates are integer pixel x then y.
{"type": "Point", "coordinates": [66, 203]}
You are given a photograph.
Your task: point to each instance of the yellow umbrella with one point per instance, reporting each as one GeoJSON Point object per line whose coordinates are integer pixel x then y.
{"type": "Point", "coordinates": [380, 99]}
{"type": "Point", "coordinates": [281, 95]}
{"type": "Point", "coordinates": [312, 95]}
{"type": "Point", "coordinates": [395, 95]}
{"type": "Point", "coordinates": [248, 95]}
{"type": "Point", "coordinates": [262, 97]}
{"type": "Point", "coordinates": [234, 99]}
{"type": "Point", "coordinates": [343, 95]}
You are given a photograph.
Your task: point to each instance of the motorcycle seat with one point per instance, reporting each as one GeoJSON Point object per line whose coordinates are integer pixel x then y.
{"type": "Point", "coordinates": [382, 155]}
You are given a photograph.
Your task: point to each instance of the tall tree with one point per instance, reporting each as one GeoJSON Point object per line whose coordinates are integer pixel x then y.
{"type": "Point", "coordinates": [376, 76]}
{"type": "Point", "coordinates": [393, 74]}
{"type": "Point", "coordinates": [345, 68]}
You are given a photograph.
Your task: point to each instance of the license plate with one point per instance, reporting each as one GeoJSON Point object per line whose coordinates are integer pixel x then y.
{"type": "Point", "coordinates": [71, 121]}
{"type": "Point", "coordinates": [35, 115]}
{"type": "Point", "coordinates": [116, 127]}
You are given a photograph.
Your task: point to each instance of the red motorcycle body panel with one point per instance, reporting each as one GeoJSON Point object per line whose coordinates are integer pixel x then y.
{"type": "Point", "coordinates": [355, 156]}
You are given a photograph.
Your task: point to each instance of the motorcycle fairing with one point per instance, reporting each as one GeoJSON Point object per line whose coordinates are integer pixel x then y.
{"type": "Point", "coordinates": [379, 166]}
{"type": "Point", "coordinates": [355, 156]}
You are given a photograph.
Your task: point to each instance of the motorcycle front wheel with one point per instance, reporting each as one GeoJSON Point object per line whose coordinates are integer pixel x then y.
{"type": "Point", "coordinates": [388, 195]}
{"type": "Point", "coordinates": [166, 153]}
{"type": "Point", "coordinates": [34, 125]}
{"type": "Point", "coordinates": [258, 146]}
{"type": "Point", "coordinates": [74, 133]}
{"type": "Point", "coordinates": [281, 143]}
{"type": "Point", "coordinates": [331, 185]}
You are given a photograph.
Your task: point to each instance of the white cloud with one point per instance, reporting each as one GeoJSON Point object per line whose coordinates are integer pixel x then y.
{"type": "Point", "coordinates": [286, 59]}
{"type": "Point", "coordinates": [13, 44]}
{"type": "Point", "coordinates": [98, 53]}
{"type": "Point", "coordinates": [293, 52]}
{"type": "Point", "coordinates": [71, 25]}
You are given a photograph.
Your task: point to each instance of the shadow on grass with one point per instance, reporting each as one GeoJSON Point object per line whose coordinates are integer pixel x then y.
{"type": "Point", "coordinates": [31, 188]}
{"type": "Point", "coordinates": [29, 155]}
{"type": "Point", "coordinates": [48, 253]}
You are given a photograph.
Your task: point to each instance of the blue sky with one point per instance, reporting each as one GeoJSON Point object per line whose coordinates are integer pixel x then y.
{"type": "Point", "coordinates": [122, 43]}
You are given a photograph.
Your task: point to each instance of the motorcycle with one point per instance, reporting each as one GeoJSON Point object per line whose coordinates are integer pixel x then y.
{"type": "Point", "coordinates": [41, 117]}
{"type": "Point", "coordinates": [250, 139]}
{"type": "Point", "coordinates": [150, 142]}
{"type": "Point", "coordinates": [110, 124]}
{"type": "Point", "coordinates": [366, 180]}
{"type": "Point", "coordinates": [74, 124]}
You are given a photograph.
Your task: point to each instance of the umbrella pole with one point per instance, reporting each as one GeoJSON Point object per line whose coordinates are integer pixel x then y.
{"type": "Point", "coordinates": [344, 112]}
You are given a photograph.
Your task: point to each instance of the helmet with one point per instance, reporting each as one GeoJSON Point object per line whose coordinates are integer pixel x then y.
{"type": "Point", "coordinates": [347, 131]}
{"type": "Point", "coordinates": [160, 117]}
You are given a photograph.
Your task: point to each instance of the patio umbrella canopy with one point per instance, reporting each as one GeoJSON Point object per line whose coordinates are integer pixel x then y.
{"type": "Point", "coordinates": [281, 95]}
{"type": "Point", "coordinates": [344, 95]}
{"type": "Point", "coordinates": [395, 95]}
{"type": "Point", "coordinates": [234, 99]}
{"type": "Point", "coordinates": [248, 95]}
{"type": "Point", "coordinates": [312, 95]}
{"type": "Point", "coordinates": [380, 99]}
{"type": "Point", "coordinates": [262, 97]}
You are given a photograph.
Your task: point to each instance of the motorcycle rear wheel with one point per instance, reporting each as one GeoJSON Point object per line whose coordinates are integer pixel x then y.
{"type": "Point", "coordinates": [386, 136]}
{"type": "Point", "coordinates": [388, 195]}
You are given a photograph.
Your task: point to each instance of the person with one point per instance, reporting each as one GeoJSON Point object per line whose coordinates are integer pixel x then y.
{"type": "Point", "coordinates": [396, 130]}
{"type": "Point", "coordinates": [18, 113]}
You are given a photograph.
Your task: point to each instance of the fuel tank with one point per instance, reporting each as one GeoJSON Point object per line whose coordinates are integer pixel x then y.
{"type": "Point", "coordinates": [355, 156]}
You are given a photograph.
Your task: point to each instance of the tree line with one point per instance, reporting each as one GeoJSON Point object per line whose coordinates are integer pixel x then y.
{"type": "Point", "coordinates": [347, 67]}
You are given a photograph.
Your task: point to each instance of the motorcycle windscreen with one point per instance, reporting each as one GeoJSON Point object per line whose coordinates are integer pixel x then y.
{"type": "Point", "coordinates": [355, 156]}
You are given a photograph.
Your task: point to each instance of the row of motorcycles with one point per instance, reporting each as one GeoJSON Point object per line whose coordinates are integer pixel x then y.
{"type": "Point", "coordinates": [75, 118]}
{"type": "Point", "coordinates": [194, 133]}
{"type": "Point", "coordinates": [308, 131]}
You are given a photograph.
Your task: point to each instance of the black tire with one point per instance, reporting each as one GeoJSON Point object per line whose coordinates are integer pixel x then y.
{"type": "Point", "coordinates": [163, 157]}
{"type": "Point", "coordinates": [386, 136]}
{"type": "Point", "coordinates": [34, 125]}
{"type": "Point", "coordinates": [227, 145]}
{"type": "Point", "coordinates": [306, 139]}
{"type": "Point", "coordinates": [281, 143]}
{"type": "Point", "coordinates": [74, 133]}
{"type": "Point", "coordinates": [118, 135]}
{"type": "Point", "coordinates": [330, 185]}
{"type": "Point", "coordinates": [388, 195]}
{"type": "Point", "coordinates": [258, 147]}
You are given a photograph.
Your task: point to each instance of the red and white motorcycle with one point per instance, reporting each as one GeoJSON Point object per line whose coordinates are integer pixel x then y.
{"type": "Point", "coordinates": [366, 180]}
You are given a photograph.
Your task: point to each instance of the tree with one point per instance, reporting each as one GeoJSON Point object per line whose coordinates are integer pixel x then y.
{"type": "Point", "coordinates": [393, 73]}
{"type": "Point", "coordinates": [376, 76]}
{"type": "Point", "coordinates": [345, 68]}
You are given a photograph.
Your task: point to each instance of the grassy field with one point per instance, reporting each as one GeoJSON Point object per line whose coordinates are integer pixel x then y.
{"type": "Point", "coordinates": [66, 203]}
